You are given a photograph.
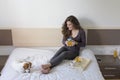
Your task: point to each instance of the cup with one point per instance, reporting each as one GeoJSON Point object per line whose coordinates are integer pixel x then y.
{"type": "Point", "coordinates": [115, 53]}
{"type": "Point", "coordinates": [69, 43]}
{"type": "Point", "coordinates": [78, 59]}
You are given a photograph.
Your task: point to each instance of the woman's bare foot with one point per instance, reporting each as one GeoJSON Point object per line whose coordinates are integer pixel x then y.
{"type": "Point", "coordinates": [45, 66]}
{"type": "Point", "coordinates": [46, 71]}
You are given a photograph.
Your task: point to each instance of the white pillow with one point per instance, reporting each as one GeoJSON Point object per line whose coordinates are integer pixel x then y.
{"type": "Point", "coordinates": [87, 53]}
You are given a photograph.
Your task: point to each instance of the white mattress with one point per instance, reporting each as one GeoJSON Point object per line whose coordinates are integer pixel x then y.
{"type": "Point", "coordinates": [61, 72]}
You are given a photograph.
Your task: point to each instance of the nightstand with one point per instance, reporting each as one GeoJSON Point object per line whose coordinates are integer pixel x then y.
{"type": "Point", "coordinates": [3, 59]}
{"type": "Point", "coordinates": [109, 66]}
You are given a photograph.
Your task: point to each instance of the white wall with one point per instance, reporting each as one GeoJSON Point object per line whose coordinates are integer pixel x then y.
{"type": "Point", "coordinates": [52, 13]}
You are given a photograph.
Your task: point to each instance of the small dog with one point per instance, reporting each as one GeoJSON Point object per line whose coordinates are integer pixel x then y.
{"type": "Point", "coordinates": [27, 67]}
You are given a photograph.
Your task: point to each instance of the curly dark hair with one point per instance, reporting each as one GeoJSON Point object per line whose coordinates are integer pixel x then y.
{"type": "Point", "coordinates": [65, 31]}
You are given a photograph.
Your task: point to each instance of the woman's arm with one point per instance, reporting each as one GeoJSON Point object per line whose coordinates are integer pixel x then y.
{"type": "Point", "coordinates": [64, 42]}
{"type": "Point", "coordinates": [82, 42]}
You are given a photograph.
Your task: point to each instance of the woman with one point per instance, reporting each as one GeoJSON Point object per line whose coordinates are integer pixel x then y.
{"type": "Point", "coordinates": [71, 30]}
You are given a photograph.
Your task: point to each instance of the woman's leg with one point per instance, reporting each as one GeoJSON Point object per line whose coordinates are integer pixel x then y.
{"type": "Point", "coordinates": [55, 61]}
{"type": "Point", "coordinates": [64, 55]}
{"type": "Point", "coordinates": [45, 66]}
{"type": "Point", "coordinates": [59, 52]}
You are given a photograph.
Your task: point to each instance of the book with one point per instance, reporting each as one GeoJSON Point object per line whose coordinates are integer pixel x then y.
{"type": "Point", "coordinates": [80, 62]}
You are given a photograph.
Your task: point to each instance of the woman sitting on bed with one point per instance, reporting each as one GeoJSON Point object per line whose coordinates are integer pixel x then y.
{"type": "Point", "coordinates": [73, 39]}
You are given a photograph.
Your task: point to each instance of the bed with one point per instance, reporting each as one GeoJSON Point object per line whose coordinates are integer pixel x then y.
{"type": "Point", "coordinates": [61, 72]}
{"type": "Point", "coordinates": [32, 44]}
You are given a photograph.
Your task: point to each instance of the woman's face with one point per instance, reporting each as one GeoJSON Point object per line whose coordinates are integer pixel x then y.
{"type": "Point", "coordinates": [70, 25]}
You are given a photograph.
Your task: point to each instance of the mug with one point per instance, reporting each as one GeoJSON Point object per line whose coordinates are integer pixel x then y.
{"type": "Point", "coordinates": [69, 43]}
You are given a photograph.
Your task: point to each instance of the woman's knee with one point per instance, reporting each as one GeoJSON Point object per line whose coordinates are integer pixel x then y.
{"type": "Point", "coordinates": [65, 53]}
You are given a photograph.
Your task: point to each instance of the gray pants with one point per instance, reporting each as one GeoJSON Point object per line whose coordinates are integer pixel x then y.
{"type": "Point", "coordinates": [61, 54]}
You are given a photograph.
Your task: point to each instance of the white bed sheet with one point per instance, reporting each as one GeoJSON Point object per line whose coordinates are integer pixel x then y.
{"type": "Point", "coordinates": [62, 72]}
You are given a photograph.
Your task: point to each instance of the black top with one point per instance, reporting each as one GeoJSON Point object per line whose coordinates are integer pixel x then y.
{"type": "Point", "coordinates": [80, 38]}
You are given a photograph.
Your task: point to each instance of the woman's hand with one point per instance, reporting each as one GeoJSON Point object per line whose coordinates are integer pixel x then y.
{"type": "Point", "coordinates": [74, 43]}
{"type": "Point", "coordinates": [66, 42]}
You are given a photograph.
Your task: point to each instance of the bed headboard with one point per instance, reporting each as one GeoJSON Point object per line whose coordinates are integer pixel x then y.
{"type": "Point", "coordinates": [5, 37]}
{"type": "Point", "coordinates": [29, 37]}
{"type": "Point", "coordinates": [36, 37]}
{"type": "Point", "coordinates": [103, 37]}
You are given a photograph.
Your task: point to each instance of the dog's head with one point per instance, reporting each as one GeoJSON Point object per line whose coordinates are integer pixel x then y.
{"type": "Point", "coordinates": [27, 65]}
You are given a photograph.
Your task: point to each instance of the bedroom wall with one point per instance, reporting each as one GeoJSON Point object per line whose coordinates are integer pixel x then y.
{"type": "Point", "coordinates": [47, 13]}
{"type": "Point", "coordinates": [98, 14]}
